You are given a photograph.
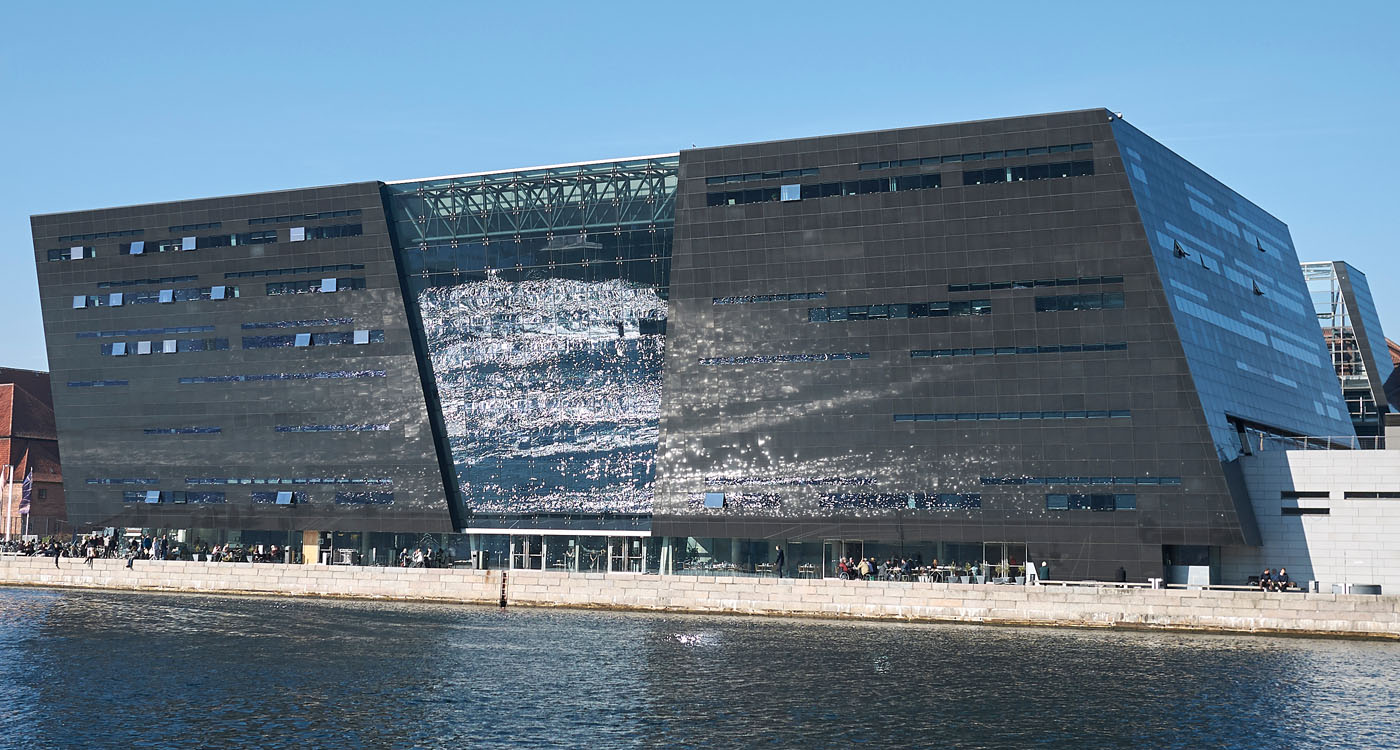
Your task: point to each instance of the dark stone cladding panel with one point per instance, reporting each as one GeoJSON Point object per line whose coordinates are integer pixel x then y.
{"type": "Point", "coordinates": [809, 421]}
{"type": "Point", "coordinates": [101, 429]}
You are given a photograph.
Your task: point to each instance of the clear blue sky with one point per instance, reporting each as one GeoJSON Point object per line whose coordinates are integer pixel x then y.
{"type": "Point", "coordinates": [1294, 105]}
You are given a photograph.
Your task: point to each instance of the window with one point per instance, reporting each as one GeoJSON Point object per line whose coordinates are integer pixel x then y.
{"type": "Point", "coordinates": [774, 358]}
{"type": "Point", "coordinates": [1003, 350]}
{"type": "Point", "coordinates": [1305, 511]}
{"type": "Point", "coordinates": [1091, 502]}
{"type": "Point", "coordinates": [1011, 415]}
{"type": "Point", "coordinates": [80, 301]}
{"type": "Point", "coordinates": [284, 480]}
{"type": "Point", "coordinates": [43, 494]}
{"type": "Point", "coordinates": [303, 339]}
{"type": "Point", "coordinates": [295, 271]}
{"type": "Point", "coordinates": [332, 428]}
{"type": "Point", "coordinates": [95, 383]}
{"type": "Point", "coordinates": [278, 497]}
{"type": "Point", "coordinates": [143, 347]}
{"type": "Point", "coordinates": [314, 286]}
{"type": "Point", "coordinates": [195, 227]}
{"type": "Point", "coordinates": [304, 217]}
{"type": "Point", "coordinates": [298, 234]}
{"type": "Point", "coordinates": [137, 247]}
{"type": "Point", "coordinates": [102, 235]}
{"type": "Point", "coordinates": [1295, 494]}
{"type": "Point", "coordinates": [1070, 302]}
{"type": "Point", "coordinates": [189, 243]}
{"type": "Point", "coordinates": [299, 323]}
{"type": "Point", "coordinates": [114, 299]}
{"type": "Point", "coordinates": [341, 230]}
{"type": "Point", "coordinates": [327, 285]}
{"type": "Point", "coordinates": [361, 337]}
{"type": "Point", "coordinates": [364, 498]}
{"type": "Point", "coordinates": [714, 499]}
{"type": "Point", "coordinates": [327, 375]}
{"type": "Point", "coordinates": [217, 292]}
{"type": "Point", "coordinates": [182, 430]}
{"type": "Point", "coordinates": [791, 193]}
{"type": "Point", "coordinates": [167, 295]}
{"type": "Point", "coordinates": [956, 308]}
{"type": "Point", "coordinates": [168, 346]}
{"type": "Point", "coordinates": [119, 349]}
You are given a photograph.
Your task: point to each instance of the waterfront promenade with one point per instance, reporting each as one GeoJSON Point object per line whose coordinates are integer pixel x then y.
{"type": "Point", "coordinates": [1104, 606]}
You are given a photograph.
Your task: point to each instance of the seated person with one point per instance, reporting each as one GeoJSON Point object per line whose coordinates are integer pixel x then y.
{"type": "Point", "coordinates": [1281, 581]}
{"type": "Point", "coordinates": [1266, 580]}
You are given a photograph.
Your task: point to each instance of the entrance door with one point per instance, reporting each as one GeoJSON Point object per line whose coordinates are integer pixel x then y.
{"type": "Point", "coordinates": [835, 550]}
{"type": "Point", "coordinates": [1004, 561]}
{"type": "Point", "coordinates": [527, 552]}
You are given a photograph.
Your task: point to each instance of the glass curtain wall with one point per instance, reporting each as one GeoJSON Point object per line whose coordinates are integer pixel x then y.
{"type": "Point", "coordinates": [541, 295]}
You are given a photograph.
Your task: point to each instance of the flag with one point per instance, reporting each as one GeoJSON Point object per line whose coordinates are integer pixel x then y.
{"type": "Point", "coordinates": [28, 488]}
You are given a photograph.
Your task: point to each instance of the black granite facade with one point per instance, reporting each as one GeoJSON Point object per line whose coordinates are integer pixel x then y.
{"type": "Point", "coordinates": [990, 359]}
{"type": "Point", "coordinates": [208, 434]}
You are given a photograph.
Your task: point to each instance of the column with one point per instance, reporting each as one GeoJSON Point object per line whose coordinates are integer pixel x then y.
{"type": "Point", "coordinates": [310, 547]}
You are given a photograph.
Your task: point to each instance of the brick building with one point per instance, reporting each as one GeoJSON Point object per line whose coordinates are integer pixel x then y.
{"type": "Point", "coordinates": [28, 440]}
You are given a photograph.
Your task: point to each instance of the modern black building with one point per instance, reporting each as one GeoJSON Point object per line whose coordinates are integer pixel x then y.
{"type": "Point", "coordinates": [1042, 337]}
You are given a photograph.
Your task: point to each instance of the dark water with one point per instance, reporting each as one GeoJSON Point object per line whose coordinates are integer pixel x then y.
{"type": "Point", "coordinates": [85, 669]}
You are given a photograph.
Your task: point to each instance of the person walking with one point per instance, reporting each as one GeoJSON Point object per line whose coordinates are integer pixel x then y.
{"type": "Point", "coordinates": [778, 564]}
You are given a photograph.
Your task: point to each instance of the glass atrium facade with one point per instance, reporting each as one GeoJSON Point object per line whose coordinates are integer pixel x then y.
{"type": "Point", "coordinates": [541, 296]}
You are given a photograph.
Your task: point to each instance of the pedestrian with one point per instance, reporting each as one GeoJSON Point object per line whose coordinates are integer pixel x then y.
{"type": "Point", "coordinates": [778, 565]}
{"type": "Point", "coordinates": [91, 554]}
{"type": "Point", "coordinates": [57, 551]}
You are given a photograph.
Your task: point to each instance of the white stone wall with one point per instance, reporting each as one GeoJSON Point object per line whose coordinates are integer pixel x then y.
{"type": "Point", "coordinates": [1357, 542]}
{"type": "Point", "coordinates": [1174, 609]}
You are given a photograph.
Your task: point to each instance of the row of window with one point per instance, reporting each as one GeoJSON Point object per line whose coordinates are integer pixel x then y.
{"type": "Point", "coordinates": [191, 243]}
{"type": "Point", "coordinates": [990, 285]}
{"type": "Point", "coordinates": [160, 296]}
{"type": "Point", "coordinates": [299, 323]}
{"type": "Point", "coordinates": [168, 346]}
{"type": "Point", "coordinates": [756, 176]}
{"type": "Point", "coordinates": [790, 481]}
{"type": "Point", "coordinates": [751, 298]}
{"type": "Point", "coordinates": [122, 480]}
{"type": "Point", "coordinates": [1011, 153]}
{"type": "Point", "coordinates": [983, 350]}
{"type": "Point", "coordinates": [280, 497]}
{"type": "Point", "coordinates": [142, 332]}
{"type": "Point", "coordinates": [95, 383]}
{"type": "Point", "coordinates": [72, 253]}
{"type": "Point", "coordinates": [954, 309]}
{"type": "Point", "coordinates": [299, 234]}
{"type": "Point", "coordinates": [332, 427]}
{"type": "Point", "coordinates": [183, 430]}
{"type": "Point", "coordinates": [994, 416]}
{"type": "Point", "coordinates": [1028, 173]}
{"type": "Point", "coordinates": [270, 498]}
{"type": "Point", "coordinates": [1067, 302]}
{"type": "Point", "coordinates": [1391, 495]}
{"type": "Point", "coordinates": [916, 501]}
{"type": "Point", "coordinates": [157, 496]}
{"type": "Point", "coordinates": [1166, 481]}
{"type": "Point", "coordinates": [331, 375]}
{"type": "Point", "coordinates": [313, 339]}
{"type": "Point", "coordinates": [824, 190]}
{"type": "Point", "coordinates": [1090, 502]}
{"type": "Point", "coordinates": [145, 282]}
{"type": "Point", "coordinates": [197, 227]}
{"type": "Point", "coordinates": [764, 359]}
{"type": "Point", "coordinates": [285, 480]}
{"type": "Point", "coordinates": [295, 271]}
{"type": "Point", "coordinates": [304, 217]}
{"type": "Point", "coordinates": [314, 286]}
{"type": "Point", "coordinates": [102, 235]}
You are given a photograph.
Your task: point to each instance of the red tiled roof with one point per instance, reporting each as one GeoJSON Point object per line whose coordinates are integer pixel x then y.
{"type": "Point", "coordinates": [1394, 351]}
{"type": "Point", "coordinates": [24, 415]}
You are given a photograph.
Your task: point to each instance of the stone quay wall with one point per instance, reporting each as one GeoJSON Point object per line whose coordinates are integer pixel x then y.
{"type": "Point", "coordinates": [1070, 606]}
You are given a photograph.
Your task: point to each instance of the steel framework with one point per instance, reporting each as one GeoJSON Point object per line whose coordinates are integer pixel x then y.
{"type": "Point", "coordinates": [569, 199]}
